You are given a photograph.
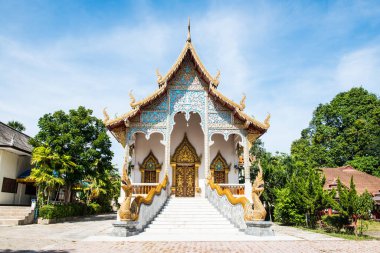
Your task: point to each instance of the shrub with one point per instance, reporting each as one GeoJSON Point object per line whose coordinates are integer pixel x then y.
{"type": "Point", "coordinates": [55, 211]}
{"type": "Point", "coordinates": [51, 211]}
{"type": "Point", "coordinates": [336, 221]}
{"type": "Point", "coordinates": [94, 208]}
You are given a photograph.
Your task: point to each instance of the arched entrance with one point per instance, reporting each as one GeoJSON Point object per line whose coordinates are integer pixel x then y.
{"type": "Point", "coordinates": [185, 163]}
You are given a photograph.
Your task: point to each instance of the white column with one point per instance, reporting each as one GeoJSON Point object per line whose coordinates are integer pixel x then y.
{"type": "Point", "coordinates": [202, 181]}
{"type": "Point", "coordinates": [247, 165]}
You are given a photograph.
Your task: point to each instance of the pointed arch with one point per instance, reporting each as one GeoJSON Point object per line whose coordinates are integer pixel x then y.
{"type": "Point", "coordinates": [150, 169]}
{"type": "Point", "coordinates": [220, 169]}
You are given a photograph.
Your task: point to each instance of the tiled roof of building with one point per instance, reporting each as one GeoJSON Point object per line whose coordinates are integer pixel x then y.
{"type": "Point", "coordinates": [13, 139]}
{"type": "Point", "coordinates": [362, 180]}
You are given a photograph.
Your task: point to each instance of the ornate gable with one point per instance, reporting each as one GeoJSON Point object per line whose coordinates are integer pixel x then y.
{"type": "Point", "coordinates": [150, 163]}
{"type": "Point", "coordinates": [185, 153]}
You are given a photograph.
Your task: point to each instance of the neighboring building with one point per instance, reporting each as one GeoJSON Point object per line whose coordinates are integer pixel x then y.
{"type": "Point", "coordinates": [15, 155]}
{"type": "Point", "coordinates": [188, 128]}
{"type": "Point", "coordinates": [362, 181]}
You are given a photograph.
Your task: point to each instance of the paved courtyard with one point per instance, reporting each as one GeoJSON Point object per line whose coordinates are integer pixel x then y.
{"type": "Point", "coordinates": [92, 234]}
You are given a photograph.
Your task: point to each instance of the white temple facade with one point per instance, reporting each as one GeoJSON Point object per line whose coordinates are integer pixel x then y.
{"type": "Point", "coordinates": [187, 128]}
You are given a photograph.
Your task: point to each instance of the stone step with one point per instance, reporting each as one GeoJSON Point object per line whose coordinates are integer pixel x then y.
{"type": "Point", "coordinates": [14, 212]}
{"type": "Point", "coordinates": [192, 226]}
{"type": "Point", "coordinates": [191, 231]}
{"type": "Point", "coordinates": [11, 222]}
{"type": "Point", "coordinates": [189, 216]}
{"type": "Point", "coordinates": [194, 219]}
{"type": "Point", "coordinates": [5, 217]}
{"type": "Point", "coordinates": [184, 222]}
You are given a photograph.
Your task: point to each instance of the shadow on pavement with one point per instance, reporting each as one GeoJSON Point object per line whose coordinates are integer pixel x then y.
{"type": "Point", "coordinates": [100, 217]}
{"type": "Point", "coordinates": [34, 251]}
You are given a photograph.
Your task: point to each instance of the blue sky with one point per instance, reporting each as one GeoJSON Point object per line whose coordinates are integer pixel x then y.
{"type": "Point", "coordinates": [287, 56]}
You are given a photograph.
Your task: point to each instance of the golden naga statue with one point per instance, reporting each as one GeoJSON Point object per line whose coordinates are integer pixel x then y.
{"type": "Point", "coordinates": [125, 212]}
{"type": "Point", "coordinates": [258, 212]}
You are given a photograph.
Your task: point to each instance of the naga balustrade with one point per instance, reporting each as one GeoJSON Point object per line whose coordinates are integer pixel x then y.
{"type": "Point", "coordinates": [236, 209]}
{"type": "Point", "coordinates": [143, 188]}
{"type": "Point", "coordinates": [235, 189]}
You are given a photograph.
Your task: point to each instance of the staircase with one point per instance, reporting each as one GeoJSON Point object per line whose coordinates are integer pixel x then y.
{"type": "Point", "coordinates": [184, 218]}
{"type": "Point", "coordinates": [16, 215]}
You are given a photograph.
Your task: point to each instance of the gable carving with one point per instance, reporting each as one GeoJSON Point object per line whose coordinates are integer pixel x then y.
{"type": "Point", "coordinates": [150, 163]}
{"type": "Point", "coordinates": [185, 153]}
{"type": "Point", "coordinates": [219, 163]}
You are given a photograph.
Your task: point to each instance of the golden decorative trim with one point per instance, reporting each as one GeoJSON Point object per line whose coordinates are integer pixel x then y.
{"type": "Point", "coordinates": [120, 135]}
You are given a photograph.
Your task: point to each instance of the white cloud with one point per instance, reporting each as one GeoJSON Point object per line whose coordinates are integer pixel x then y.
{"type": "Point", "coordinates": [360, 68]}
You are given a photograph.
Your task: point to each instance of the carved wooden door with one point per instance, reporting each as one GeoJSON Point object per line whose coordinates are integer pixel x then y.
{"type": "Point", "coordinates": [185, 181]}
{"type": "Point", "coordinates": [149, 176]}
{"type": "Point", "coordinates": [219, 177]}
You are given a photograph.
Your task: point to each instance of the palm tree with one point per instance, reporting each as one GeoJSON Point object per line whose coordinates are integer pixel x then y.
{"type": "Point", "coordinates": [49, 169]}
{"type": "Point", "coordinates": [16, 125]}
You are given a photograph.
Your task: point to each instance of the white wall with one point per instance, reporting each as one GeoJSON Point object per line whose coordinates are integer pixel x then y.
{"type": "Point", "coordinates": [12, 165]}
{"type": "Point", "coordinates": [227, 149]}
{"type": "Point", "coordinates": [142, 149]}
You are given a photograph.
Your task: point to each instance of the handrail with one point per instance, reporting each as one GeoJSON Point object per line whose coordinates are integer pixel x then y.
{"type": "Point", "coordinates": [232, 199]}
{"type": "Point", "coordinates": [136, 203]}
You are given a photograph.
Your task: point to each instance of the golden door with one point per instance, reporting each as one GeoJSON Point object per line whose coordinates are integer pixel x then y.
{"type": "Point", "coordinates": [185, 181]}
{"type": "Point", "coordinates": [219, 177]}
{"type": "Point", "coordinates": [150, 177]}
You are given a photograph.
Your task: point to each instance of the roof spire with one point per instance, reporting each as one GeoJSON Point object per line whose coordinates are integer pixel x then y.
{"type": "Point", "coordinates": [188, 32]}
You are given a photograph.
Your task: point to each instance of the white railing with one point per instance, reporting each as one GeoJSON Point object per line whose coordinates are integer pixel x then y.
{"type": "Point", "coordinates": [235, 189]}
{"type": "Point", "coordinates": [143, 188]}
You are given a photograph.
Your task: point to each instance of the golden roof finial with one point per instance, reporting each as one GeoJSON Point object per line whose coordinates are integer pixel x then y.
{"type": "Point", "coordinates": [159, 76]}
{"type": "Point", "coordinates": [266, 121]}
{"type": "Point", "coordinates": [242, 102]}
{"type": "Point", "coordinates": [106, 116]}
{"type": "Point", "coordinates": [133, 100]}
{"type": "Point", "coordinates": [188, 32]}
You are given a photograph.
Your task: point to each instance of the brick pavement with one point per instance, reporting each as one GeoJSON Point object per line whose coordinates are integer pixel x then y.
{"type": "Point", "coordinates": [71, 237]}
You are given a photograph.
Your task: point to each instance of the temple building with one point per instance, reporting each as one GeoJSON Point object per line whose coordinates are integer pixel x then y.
{"type": "Point", "coordinates": [187, 128]}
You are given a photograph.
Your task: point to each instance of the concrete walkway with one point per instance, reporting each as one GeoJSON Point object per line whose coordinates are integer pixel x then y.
{"type": "Point", "coordinates": [92, 234]}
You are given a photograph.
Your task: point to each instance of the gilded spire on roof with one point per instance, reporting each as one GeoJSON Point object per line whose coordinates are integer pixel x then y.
{"type": "Point", "coordinates": [266, 121]}
{"type": "Point", "coordinates": [242, 102]}
{"type": "Point", "coordinates": [188, 32]}
{"type": "Point", "coordinates": [133, 100]}
{"type": "Point", "coordinates": [106, 116]}
{"type": "Point", "coordinates": [159, 76]}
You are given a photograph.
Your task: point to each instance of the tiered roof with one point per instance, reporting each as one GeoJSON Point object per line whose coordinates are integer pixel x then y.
{"type": "Point", "coordinates": [163, 81]}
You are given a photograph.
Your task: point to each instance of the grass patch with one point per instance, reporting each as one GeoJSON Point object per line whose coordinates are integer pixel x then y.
{"type": "Point", "coordinates": [373, 226]}
{"type": "Point", "coordinates": [341, 235]}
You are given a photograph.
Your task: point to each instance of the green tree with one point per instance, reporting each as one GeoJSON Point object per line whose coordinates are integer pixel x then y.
{"type": "Point", "coordinates": [49, 170]}
{"type": "Point", "coordinates": [16, 125]}
{"type": "Point", "coordinates": [80, 136]}
{"type": "Point", "coordinates": [345, 131]}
